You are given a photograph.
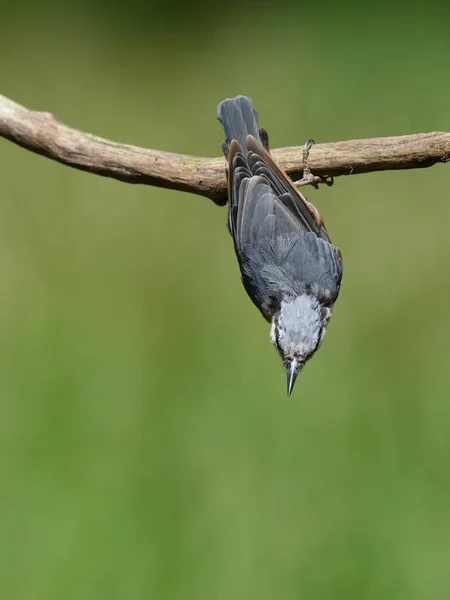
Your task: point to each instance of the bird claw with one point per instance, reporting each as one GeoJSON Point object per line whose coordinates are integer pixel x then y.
{"type": "Point", "coordinates": [308, 178]}
{"type": "Point", "coordinates": [315, 180]}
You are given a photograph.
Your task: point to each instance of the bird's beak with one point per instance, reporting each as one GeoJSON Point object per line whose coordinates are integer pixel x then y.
{"type": "Point", "coordinates": [292, 370]}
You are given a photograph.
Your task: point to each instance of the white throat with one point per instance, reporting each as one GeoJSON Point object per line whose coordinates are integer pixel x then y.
{"type": "Point", "coordinates": [300, 327]}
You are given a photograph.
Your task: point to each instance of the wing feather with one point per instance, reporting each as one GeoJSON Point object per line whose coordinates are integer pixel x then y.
{"type": "Point", "coordinates": [282, 247]}
{"type": "Point", "coordinates": [294, 201]}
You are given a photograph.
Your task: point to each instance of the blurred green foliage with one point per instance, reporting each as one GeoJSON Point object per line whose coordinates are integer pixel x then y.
{"type": "Point", "coordinates": [147, 447]}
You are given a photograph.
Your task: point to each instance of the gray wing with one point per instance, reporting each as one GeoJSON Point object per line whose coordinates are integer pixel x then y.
{"type": "Point", "coordinates": [281, 247]}
{"type": "Point", "coordinates": [258, 162]}
{"type": "Point", "coordinates": [289, 265]}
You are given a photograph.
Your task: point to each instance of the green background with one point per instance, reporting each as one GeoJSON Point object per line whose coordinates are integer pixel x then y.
{"type": "Point", "coordinates": [147, 446]}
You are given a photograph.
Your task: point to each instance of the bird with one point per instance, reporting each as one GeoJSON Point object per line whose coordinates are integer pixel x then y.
{"type": "Point", "coordinates": [289, 266]}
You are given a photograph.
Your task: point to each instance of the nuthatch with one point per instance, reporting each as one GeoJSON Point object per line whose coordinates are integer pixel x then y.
{"type": "Point", "coordinates": [289, 267]}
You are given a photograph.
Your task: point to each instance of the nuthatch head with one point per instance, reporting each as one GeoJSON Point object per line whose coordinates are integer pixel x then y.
{"type": "Point", "coordinates": [289, 267]}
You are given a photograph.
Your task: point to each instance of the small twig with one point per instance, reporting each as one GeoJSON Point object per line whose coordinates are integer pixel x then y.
{"type": "Point", "coordinates": [43, 133]}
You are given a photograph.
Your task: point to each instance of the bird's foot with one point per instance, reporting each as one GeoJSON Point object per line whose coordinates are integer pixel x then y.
{"type": "Point", "coordinates": [308, 178]}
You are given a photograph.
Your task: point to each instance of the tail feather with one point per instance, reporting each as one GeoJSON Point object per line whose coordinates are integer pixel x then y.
{"type": "Point", "coordinates": [239, 119]}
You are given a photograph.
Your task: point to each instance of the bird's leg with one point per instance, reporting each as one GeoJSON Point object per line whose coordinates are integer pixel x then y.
{"type": "Point", "coordinates": [307, 175]}
{"type": "Point", "coordinates": [308, 178]}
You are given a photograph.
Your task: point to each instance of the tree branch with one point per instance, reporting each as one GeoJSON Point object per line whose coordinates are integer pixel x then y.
{"type": "Point", "coordinates": [44, 134]}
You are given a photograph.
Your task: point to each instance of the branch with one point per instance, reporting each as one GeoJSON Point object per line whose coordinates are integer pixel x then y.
{"type": "Point", "coordinates": [44, 134]}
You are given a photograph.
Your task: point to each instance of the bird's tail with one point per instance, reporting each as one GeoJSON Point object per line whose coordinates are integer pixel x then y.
{"type": "Point", "coordinates": [239, 119]}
